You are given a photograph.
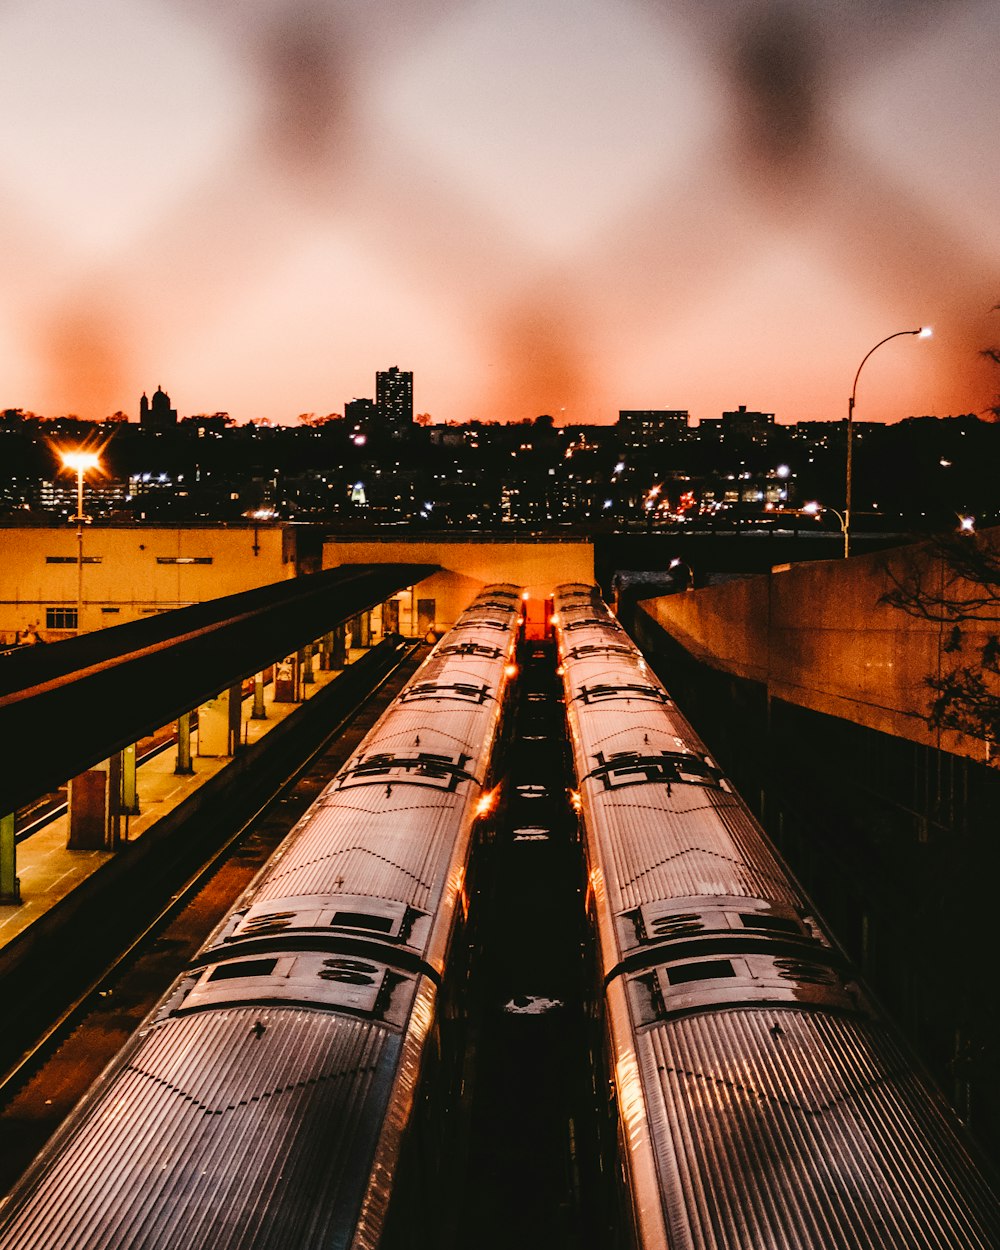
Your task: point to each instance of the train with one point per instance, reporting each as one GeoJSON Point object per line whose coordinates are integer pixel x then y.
{"type": "Point", "coordinates": [759, 1095]}
{"type": "Point", "coordinates": [298, 1086]}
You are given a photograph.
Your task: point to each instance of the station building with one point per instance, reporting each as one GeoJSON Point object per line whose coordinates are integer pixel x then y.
{"type": "Point", "coordinates": [133, 571]}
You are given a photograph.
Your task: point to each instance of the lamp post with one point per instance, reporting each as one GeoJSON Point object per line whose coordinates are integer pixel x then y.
{"type": "Point", "coordinates": [79, 462]}
{"type": "Point", "coordinates": [677, 563]}
{"type": "Point", "coordinates": [816, 509]}
{"type": "Point", "coordinates": [922, 332]}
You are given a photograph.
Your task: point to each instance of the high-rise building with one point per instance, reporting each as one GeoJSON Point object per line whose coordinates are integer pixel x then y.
{"type": "Point", "coordinates": [394, 398]}
{"type": "Point", "coordinates": [749, 427]}
{"type": "Point", "coordinates": [360, 414]}
{"type": "Point", "coordinates": [651, 427]}
{"type": "Point", "coordinates": [156, 414]}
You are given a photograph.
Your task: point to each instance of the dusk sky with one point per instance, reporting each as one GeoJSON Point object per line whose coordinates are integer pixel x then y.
{"type": "Point", "coordinates": [561, 206]}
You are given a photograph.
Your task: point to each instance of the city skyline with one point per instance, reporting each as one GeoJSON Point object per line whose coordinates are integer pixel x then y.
{"type": "Point", "coordinates": [591, 207]}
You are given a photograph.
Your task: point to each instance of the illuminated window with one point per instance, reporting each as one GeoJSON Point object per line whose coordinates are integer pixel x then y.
{"type": "Point", "coordinates": [184, 559]}
{"type": "Point", "coordinates": [73, 559]}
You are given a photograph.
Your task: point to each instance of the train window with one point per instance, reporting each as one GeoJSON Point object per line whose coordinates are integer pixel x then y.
{"type": "Point", "coordinates": [709, 970]}
{"type": "Point", "coordinates": [771, 924]}
{"type": "Point", "coordinates": [361, 920]}
{"type": "Point", "coordinates": [246, 968]}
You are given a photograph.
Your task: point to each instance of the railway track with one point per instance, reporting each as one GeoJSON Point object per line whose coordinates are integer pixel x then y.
{"type": "Point", "coordinates": [69, 1046]}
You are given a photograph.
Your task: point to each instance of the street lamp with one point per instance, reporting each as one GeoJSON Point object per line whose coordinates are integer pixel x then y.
{"type": "Point", "coordinates": [80, 462]}
{"type": "Point", "coordinates": [816, 509]}
{"type": "Point", "coordinates": [922, 332]}
{"type": "Point", "coordinates": [677, 563]}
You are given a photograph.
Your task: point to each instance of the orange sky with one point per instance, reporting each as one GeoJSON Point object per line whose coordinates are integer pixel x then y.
{"type": "Point", "coordinates": [567, 208]}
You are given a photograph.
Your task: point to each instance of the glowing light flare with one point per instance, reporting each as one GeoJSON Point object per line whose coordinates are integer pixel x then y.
{"type": "Point", "coordinates": [554, 618]}
{"type": "Point", "coordinates": [79, 460]}
{"type": "Point", "coordinates": [486, 803]}
{"type": "Point", "coordinates": [525, 596]}
{"type": "Point", "coordinates": [575, 801]}
{"type": "Point", "coordinates": [510, 670]}
{"type": "Point", "coordinates": [966, 524]}
{"type": "Point", "coordinates": [925, 332]}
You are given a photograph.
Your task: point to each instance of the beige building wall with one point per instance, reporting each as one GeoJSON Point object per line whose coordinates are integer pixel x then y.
{"type": "Point", "coordinates": [131, 571]}
{"type": "Point", "coordinates": [816, 635]}
{"type": "Point", "coordinates": [468, 565]}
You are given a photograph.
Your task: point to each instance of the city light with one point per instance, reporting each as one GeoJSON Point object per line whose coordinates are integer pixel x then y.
{"type": "Point", "coordinates": [79, 461]}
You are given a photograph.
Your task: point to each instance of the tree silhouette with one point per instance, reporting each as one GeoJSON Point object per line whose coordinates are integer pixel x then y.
{"type": "Point", "coordinates": [954, 579]}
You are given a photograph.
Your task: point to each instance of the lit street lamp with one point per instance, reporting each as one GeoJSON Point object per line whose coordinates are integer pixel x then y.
{"type": "Point", "coordinates": [817, 509]}
{"type": "Point", "coordinates": [677, 563]}
{"type": "Point", "coordinates": [80, 462]}
{"type": "Point", "coordinates": [922, 332]}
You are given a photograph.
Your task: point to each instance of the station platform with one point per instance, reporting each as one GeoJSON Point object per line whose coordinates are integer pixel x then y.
{"type": "Point", "coordinates": [49, 871]}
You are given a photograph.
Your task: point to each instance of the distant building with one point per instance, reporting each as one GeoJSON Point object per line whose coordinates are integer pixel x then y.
{"type": "Point", "coordinates": [360, 414]}
{"type": "Point", "coordinates": [156, 414]}
{"type": "Point", "coordinates": [744, 426]}
{"type": "Point", "coordinates": [651, 427]}
{"type": "Point", "coordinates": [394, 399]}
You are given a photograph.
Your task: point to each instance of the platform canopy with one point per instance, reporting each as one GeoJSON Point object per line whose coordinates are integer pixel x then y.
{"type": "Point", "coordinates": [66, 706]}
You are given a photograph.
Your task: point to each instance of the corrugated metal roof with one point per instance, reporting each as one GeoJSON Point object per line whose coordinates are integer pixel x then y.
{"type": "Point", "coordinates": [354, 847]}
{"type": "Point", "coordinates": [794, 1130]}
{"type": "Point", "coordinates": [302, 1103]}
{"type": "Point", "coordinates": [701, 844]}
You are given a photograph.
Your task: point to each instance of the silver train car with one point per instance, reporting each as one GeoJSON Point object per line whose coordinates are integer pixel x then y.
{"type": "Point", "coordinates": [274, 1098]}
{"type": "Point", "coordinates": [760, 1097]}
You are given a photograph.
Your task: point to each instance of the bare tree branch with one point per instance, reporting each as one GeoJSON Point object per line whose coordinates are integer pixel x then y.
{"type": "Point", "coordinates": [951, 579]}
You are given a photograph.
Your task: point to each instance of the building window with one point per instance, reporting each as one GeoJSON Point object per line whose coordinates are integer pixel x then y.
{"type": "Point", "coordinates": [73, 559]}
{"type": "Point", "coordinates": [184, 559]}
{"type": "Point", "coordinates": [60, 618]}
{"type": "Point", "coordinates": [111, 611]}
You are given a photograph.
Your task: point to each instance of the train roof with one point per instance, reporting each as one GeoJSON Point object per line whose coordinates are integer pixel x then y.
{"type": "Point", "coordinates": [272, 1111]}
{"type": "Point", "coordinates": [764, 1099]}
{"type": "Point", "coordinates": [803, 1129]}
